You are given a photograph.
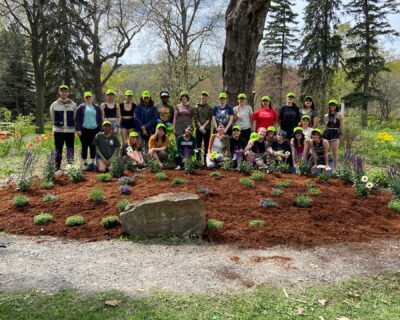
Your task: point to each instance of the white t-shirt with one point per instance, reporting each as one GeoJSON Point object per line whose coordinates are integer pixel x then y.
{"type": "Point", "coordinates": [307, 132]}
{"type": "Point", "coordinates": [245, 115]}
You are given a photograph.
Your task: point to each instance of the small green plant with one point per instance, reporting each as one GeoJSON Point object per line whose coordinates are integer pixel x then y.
{"type": "Point", "coordinates": [153, 165]}
{"type": "Point", "coordinates": [49, 197]}
{"type": "Point", "coordinates": [104, 177]}
{"type": "Point", "coordinates": [323, 177]}
{"type": "Point", "coordinates": [244, 166]}
{"type": "Point", "coordinates": [256, 223]}
{"type": "Point", "coordinates": [125, 180]}
{"type": "Point", "coordinates": [282, 167]}
{"type": "Point", "coordinates": [303, 167]}
{"type": "Point", "coordinates": [303, 201]}
{"type": "Point", "coordinates": [24, 179]}
{"type": "Point", "coordinates": [161, 176]}
{"type": "Point", "coordinates": [310, 184]}
{"type": "Point", "coordinates": [362, 185]}
{"type": "Point", "coordinates": [47, 184]}
{"type": "Point", "coordinates": [284, 183]}
{"type": "Point", "coordinates": [394, 180]}
{"type": "Point", "coordinates": [226, 164]}
{"type": "Point", "coordinates": [190, 165]}
{"type": "Point", "coordinates": [247, 182]}
{"type": "Point", "coordinates": [19, 200]}
{"type": "Point", "coordinates": [74, 172]}
{"type": "Point", "coordinates": [258, 176]}
{"type": "Point", "coordinates": [43, 218]}
{"type": "Point", "coordinates": [117, 166]}
{"type": "Point", "coordinates": [276, 192]}
{"type": "Point", "coordinates": [121, 205]}
{"type": "Point", "coordinates": [394, 205]}
{"type": "Point", "coordinates": [214, 224]}
{"type": "Point", "coordinates": [49, 170]}
{"type": "Point", "coordinates": [110, 221]}
{"type": "Point", "coordinates": [96, 195]}
{"type": "Point", "coordinates": [75, 221]}
{"type": "Point", "coordinates": [178, 180]}
{"type": "Point", "coordinates": [215, 174]}
{"type": "Point", "coordinates": [314, 191]}
{"type": "Point", "coordinates": [379, 178]}
{"type": "Point", "coordinates": [267, 203]}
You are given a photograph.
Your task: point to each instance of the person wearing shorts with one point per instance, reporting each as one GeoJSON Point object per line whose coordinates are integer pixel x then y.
{"type": "Point", "coordinates": [319, 148]}
{"type": "Point", "coordinates": [127, 111]}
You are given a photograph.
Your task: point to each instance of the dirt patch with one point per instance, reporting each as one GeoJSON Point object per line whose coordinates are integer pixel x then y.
{"type": "Point", "coordinates": [337, 215]}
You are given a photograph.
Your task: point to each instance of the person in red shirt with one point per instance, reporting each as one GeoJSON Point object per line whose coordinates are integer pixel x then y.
{"type": "Point", "coordinates": [266, 116]}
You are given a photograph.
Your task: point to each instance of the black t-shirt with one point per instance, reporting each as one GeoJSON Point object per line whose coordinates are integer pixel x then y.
{"type": "Point", "coordinates": [284, 146]}
{"type": "Point", "coordinates": [258, 147]}
{"type": "Point", "coordinates": [239, 144]}
{"type": "Point", "coordinates": [289, 117]}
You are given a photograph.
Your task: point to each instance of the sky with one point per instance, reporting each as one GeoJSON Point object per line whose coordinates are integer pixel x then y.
{"type": "Point", "coordinates": [146, 45]}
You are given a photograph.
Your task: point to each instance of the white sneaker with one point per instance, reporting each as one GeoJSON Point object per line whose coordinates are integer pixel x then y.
{"type": "Point", "coordinates": [178, 168]}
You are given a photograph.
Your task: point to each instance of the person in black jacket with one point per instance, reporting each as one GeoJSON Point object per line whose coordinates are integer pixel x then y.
{"type": "Point", "coordinates": [237, 145]}
{"type": "Point", "coordinates": [289, 116]}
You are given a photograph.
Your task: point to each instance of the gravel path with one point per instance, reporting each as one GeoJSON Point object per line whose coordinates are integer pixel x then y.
{"type": "Point", "coordinates": [49, 264]}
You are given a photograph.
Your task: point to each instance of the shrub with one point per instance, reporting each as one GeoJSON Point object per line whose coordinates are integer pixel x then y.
{"type": "Point", "coordinates": [267, 203]}
{"type": "Point", "coordinates": [74, 172]}
{"type": "Point", "coordinates": [303, 201]}
{"type": "Point", "coordinates": [303, 167]}
{"type": "Point", "coordinates": [323, 178]}
{"type": "Point", "coordinates": [284, 183]}
{"type": "Point", "coordinates": [124, 189]}
{"type": "Point", "coordinates": [75, 221]}
{"type": "Point", "coordinates": [394, 205]}
{"type": "Point", "coordinates": [161, 176]}
{"type": "Point", "coordinates": [21, 130]}
{"type": "Point", "coordinates": [310, 184]}
{"type": "Point", "coordinates": [104, 177]}
{"type": "Point", "coordinates": [43, 218]}
{"type": "Point", "coordinates": [96, 195]}
{"type": "Point", "coordinates": [214, 224]}
{"type": "Point", "coordinates": [256, 223]}
{"type": "Point", "coordinates": [110, 221]}
{"type": "Point", "coordinates": [282, 167]}
{"type": "Point", "coordinates": [117, 166]}
{"type": "Point", "coordinates": [276, 192]}
{"type": "Point", "coordinates": [244, 166]}
{"type": "Point", "coordinates": [226, 164]}
{"type": "Point", "coordinates": [215, 174]}
{"type": "Point", "coordinates": [314, 191]}
{"type": "Point", "coordinates": [47, 184]}
{"type": "Point", "coordinates": [258, 176]}
{"type": "Point", "coordinates": [125, 180]}
{"type": "Point", "coordinates": [247, 182]}
{"type": "Point", "coordinates": [190, 165]}
{"type": "Point", "coordinates": [49, 197]}
{"type": "Point", "coordinates": [19, 200]}
{"type": "Point", "coordinates": [153, 165]}
{"type": "Point", "coordinates": [178, 180]}
{"type": "Point", "coordinates": [379, 178]}
{"type": "Point", "coordinates": [121, 205]}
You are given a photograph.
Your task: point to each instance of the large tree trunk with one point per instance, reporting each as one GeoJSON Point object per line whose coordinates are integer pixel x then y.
{"type": "Point", "coordinates": [244, 23]}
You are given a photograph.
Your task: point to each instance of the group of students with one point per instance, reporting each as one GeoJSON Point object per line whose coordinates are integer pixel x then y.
{"type": "Point", "coordinates": [290, 136]}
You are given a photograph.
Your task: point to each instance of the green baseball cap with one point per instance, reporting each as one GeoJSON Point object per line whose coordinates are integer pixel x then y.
{"type": "Point", "coordinates": [170, 128]}
{"type": "Point", "coordinates": [306, 116]}
{"type": "Point", "coordinates": [63, 87]}
{"type": "Point", "coordinates": [204, 93]}
{"type": "Point", "coordinates": [110, 91]}
{"type": "Point", "coordinates": [333, 101]}
{"type": "Point", "coordinates": [214, 155]}
{"type": "Point", "coordinates": [237, 127]}
{"type": "Point", "coordinates": [128, 92]}
{"type": "Point", "coordinates": [106, 123]}
{"type": "Point", "coordinates": [133, 134]}
{"type": "Point", "coordinates": [265, 98]}
{"type": "Point", "coordinates": [254, 136]}
{"type": "Point", "coordinates": [291, 94]}
{"type": "Point", "coordinates": [146, 94]}
{"type": "Point", "coordinates": [242, 96]}
{"type": "Point", "coordinates": [184, 94]}
{"type": "Point", "coordinates": [271, 128]}
{"type": "Point", "coordinates": [298, 129]}
{"type": "Point", "coordinates": [223, 95]}
{"type": "Point", "coordinates": [308, 98]}
{"type": "Point", "coordinates": [161, 125]}
{"type": "Point", "coordinates": [87, 94]}
{"type": "Point", "coordinates": [316, 130]}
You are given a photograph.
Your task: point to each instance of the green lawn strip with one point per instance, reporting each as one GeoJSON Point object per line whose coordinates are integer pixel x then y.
{"type": "Point", "coordinates": [371, 298]}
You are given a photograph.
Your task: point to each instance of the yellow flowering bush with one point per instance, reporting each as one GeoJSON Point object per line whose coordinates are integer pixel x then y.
{"type": "Point", "coordinates": [384, 137]}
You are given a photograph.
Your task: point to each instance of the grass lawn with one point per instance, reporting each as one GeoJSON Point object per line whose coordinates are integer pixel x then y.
{"type": "Point", "coordinates": [372, 298]}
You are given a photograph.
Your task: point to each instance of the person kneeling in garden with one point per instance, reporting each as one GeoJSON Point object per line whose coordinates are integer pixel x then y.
{"type": "Point", "coordinates": [132, 150]}
{"type": "Point", "coordinates": [256, 148]}
{"type": "Point", "coordinates": [237, 145]}
{"type": "Point", "coordinates": [158, 145]}
{"type": "Point", "coordinates": [107, 144]}
{"type": "Point", "coordinates": [280, 149]}
{"type": "Point", "coordinates": [218, 148]}
{"type": "Point", "coordinates": [319, 148]}
{"type": "Point", "coordinates": [186, 147]}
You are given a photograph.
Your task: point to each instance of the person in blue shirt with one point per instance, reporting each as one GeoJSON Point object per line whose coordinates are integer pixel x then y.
{"type": "Point", "coordinates": [223, 113]}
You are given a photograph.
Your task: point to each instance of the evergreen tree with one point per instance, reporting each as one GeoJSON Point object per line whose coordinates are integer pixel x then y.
{"type": "Point", "coordinates": [280, 38]}
{"type": "Point", "coordinates": [367, 60]}
{"type": "Point", "coordinates": [320, 48]}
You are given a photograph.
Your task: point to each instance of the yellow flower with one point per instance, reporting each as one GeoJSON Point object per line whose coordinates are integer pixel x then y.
{"type": "Point", "coordinates": [384, 136]}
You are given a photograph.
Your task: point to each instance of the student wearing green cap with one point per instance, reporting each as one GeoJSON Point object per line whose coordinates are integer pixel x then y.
{"type": "Point", "coordinates": [107, 145]}
{"type": "Point", "coordinates": [334, 126]}
{"type": "Point", "coordinates": [88, 124]}
{"type": "Point", "coordinates": [310, 110]}
{"type": "Point", "coordinates": [280, 148]}
{"type": "Point", "coordinates": [319, 148]}
{"type": "Point", "coordinates": [265, 116]}
{"type": "Point", "coordinates": [297, 145]}
{"type": "Point", "coordinates": [127, 111]}
{"type": "Point", "coordinates": [223, 113]}
{"type": "Point", "coordinates": [271, 135]}
{"type": "Point", "coordinates": [63, 114]}
{"type": "Point", "coordinates": [146, 117]}
{"type": "Point", "coordinates": [243, 115]}
{"type": "Point", "coordinates": [183, 115]}
{"type": "Point", "coordinates": [218, 148]}
{"type": "Point", "coordinates": [185, 147]}
{"type": "Point", "coordinates": [237, 145]}
{"type": "Point", "coordinates": [305, 125]}
{"type": "Point", "coordinates": [256, 149]}
{"type": "Point", "coordinates": [202, 119]}
{"type": "Point", "coordinates": [158, 145]}
{"type": "Point", "coordinates": [110, 110]}
{"type": "Point", "coordinates": [289, 116]}
{"type": "Point", "coordinates": [132, 150]}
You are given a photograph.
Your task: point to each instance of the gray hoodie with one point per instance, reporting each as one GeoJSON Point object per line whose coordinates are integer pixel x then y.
{"type": "Point", "coordinates": [63, 115]}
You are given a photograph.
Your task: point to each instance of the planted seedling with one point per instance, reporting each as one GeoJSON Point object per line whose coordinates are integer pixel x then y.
{"type": "Point", "coordinates": [284, 183]}
{"type": "Point", "coordinates": [43, 218]}
{"type": "Point", "coordinates": [121, 205]}
{"type": "Point", "coordinates": [276, 192]}
{"type": "Point", "coordinates": [215, 174]}
{"type": "Point", "coordinates": [314, 191]}
{"type": "Point", "coordinates": [96, 195]}
{"type": "Point", "coordinates": [178, 180]}
{"type": "Point", "coordinates": [247, 182]}
{"type": "Point", "coordinates": [303, 201]}
{"type": "Point", "coordinates": [394, 205]}
{"type": "Point", "coordinates": [125, 180]}
{"type": "Point", "coordinates": [310, 184]}
{"type": "Point", "coordinates": [323, 178]}
{"type": "Point", "coordinates": [19, 201]}
{"type": "Point", "coordinates": [267, 203]}
{"type": "Point", "coordinates": [110, 221]}
{"type": "Point", "coordinates": [258, 176]}
{"type": "Point", "coordinates": [47, 185]}
{"type": "Point", "coordinates": [104, 177]}
{"type": "Point", "coordinates": [49, 197]}
{"type": "Point", "coordinates": [75, 221]}
{"type": "Point", "coordinates": [256, 223]}
{"type": "Point", "coordinates": [161, 176]}
{"type": "Point", "coordinates": [214, 224]}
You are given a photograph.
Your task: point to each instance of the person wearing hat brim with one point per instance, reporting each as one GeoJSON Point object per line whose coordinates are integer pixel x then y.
{"type": "Point", "coordinates": [237, 145]}
{"type": "Point", "coordinates": [127, 111]}
{"type": "Point", "coordinates": [310, 110]}
{"type": "Point", "coordinates": [107, 145]}
{"type": "Point", "coordinates": [265, 116]}
{"type": "Point", "coordinates": [63, 115]}
{"type": "Point", "coordinates": [132, 150]}
{"type": "Point", "coordinates": [110, 110]}
{"type": "Point", "coordinates": [334, 122]}
{"type": "Point", "coordinates": [158, 145]}
{"type": "Point", "coordinates": [243, 115]}
{"type": "Point", "coordinates": [146, 118]}
{"type": "Point", "coordinates": [202, 120]}
{"type": "Point", "coordinates": [183, 115]}
{"type": "Point", "coordinates": [185, 147]}
{"type": "Point", "coordinates": [289, 116]}
{"type": "Point", "coordinates": [280, 149]}
{"type": "Point", "coordinates": [256, 150]}
{"type": "Point", "coordinates": [88, 124]}
{"type": "Point", "coordinates": [297, 145]}
{"type": "Point", "coordinates": [218, 149]}
{"type": "Point", "coordinates": [165, 109]}
{"type": "Point", "coordinates": [319, 148]}
{"type": "Point", "coordinates": [223, 113]}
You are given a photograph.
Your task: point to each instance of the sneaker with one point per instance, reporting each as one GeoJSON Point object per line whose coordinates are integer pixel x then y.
{"type": "Point", "coordinates": [86, 167]}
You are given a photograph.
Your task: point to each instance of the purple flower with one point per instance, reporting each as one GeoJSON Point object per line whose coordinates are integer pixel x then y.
{"type": "Point", "coordinates": [124, 189]}
{"type": "Point", "coordinates": [125, 180]}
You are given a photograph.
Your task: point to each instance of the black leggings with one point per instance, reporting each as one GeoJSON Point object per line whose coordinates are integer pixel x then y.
{"type": "Point", "coordinates": [87, 138]}
{"type": "Point", "coordinates": [200, 138]}
{"type": "Point", "coordinates": [59, 139]}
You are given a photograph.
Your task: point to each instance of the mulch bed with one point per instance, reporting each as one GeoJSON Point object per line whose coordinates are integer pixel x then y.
{"type": "Point", "coordinates": [337, 215]}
